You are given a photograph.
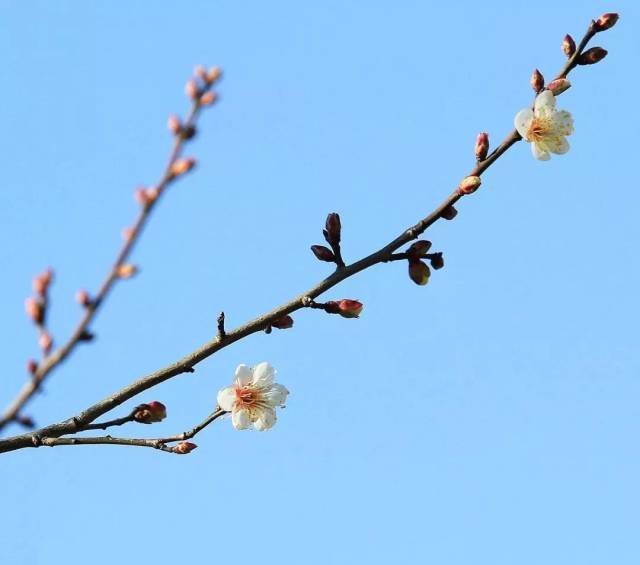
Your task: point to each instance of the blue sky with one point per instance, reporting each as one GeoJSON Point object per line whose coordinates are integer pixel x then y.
{"type": "Point", "coordinates": [489, 418]}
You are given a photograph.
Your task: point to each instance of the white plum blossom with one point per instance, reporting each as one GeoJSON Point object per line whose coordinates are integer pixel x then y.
{"type": "Point", "coordinates": [253, 397]}
{"type": "Point", "coordinates": [545, 127]}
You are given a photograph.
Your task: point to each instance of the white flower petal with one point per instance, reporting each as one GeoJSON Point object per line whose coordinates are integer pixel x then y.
{"type": "Point", "coordinates": [241, 419]}
{"type": "Point", "coordinates": [545, 102]}
{"type": "Point", "coordinates": [522, 122]}
{"type": "Point", "coordinates": [540, 152]}
{"type": "Point", "coordinates": [227, 398]}
{"type": "Point", "coordinates": [558, 144]}
{"type": "Point", "coordinates": [563, 122]}
{"type": "Point", "coordinates": [275, 395]}
{"type": "Point", "coordinates": [265, 420]}
{"type": "Point", "coordinates": [263, 374]}
{"type": "Point", "coordinates": [244, 375]}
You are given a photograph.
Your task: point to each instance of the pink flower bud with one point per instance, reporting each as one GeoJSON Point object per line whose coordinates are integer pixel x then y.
{"type": "Point", "coordinates": [283, 323]}
{"type": "Point", "coordinates": [419, 273]}
{"type": "Point", "coordinates": [592, 56]}
{"type": "Point", "coordinates": [346, 308]}
{"type": "Point", "coordinates": [537, 81]}
{"type": "Point", "coordinates": [46, 342]}
{"type": "Point", "coordinates": [126, 271]}
{"type": "Point", "coordinates": [208, 98]}
{"type": "Point", "coordinates": [469, 185]}
{"type": "Point", "coordinates": [558, 86]}
{"type": "Point", "coordinates": [200, 72]}
{"type": "Point", "coordinates": [150, 413]}
{"type": "Point", "coordinates": [140, 195]}
{"type": "Point", "coordinates": [35, 310]}
{"type": "Point", "coordinates": [152, 194]}
{"type": "Point", "coordinates": [184, 447]}
{"type": "Point", "coordinates": [482, 146]}
{"type": "Point", "coordinates": [568, 46]}
{"type": "Point", "coordinates": [191, 89]}
{"type": "Point", "coordinates": [174, 125]}
{"type": "Point", "coordinates": [127, 234]}
{"type": "Point", "coordinates": [606, 21]}
{"type": "Point", "coordinates": [214, 75]}
{"type": "Point", "coordinates": [42, 281]}
{"type": "Point", "coordinates": [83, 298]}
{"type": "Point", "coordinates": [182, 166]}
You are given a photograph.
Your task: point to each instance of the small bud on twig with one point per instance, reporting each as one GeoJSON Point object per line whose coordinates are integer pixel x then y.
{"type": "Point", "coordinates": [346, 308]}
{"type": "Point", "coordinates": [191, 89]}
{"type": "Point", "coordinates": [332, 230]}
{"type": "Point", "coordinates": [32, 366]}
{"type": "Point", "coordinates": [46, 342]}
{"type": "Point", "coordinates": [558, 86]}
{"type": "Point", "coordinates": [419, 273]}
{"type": "Point", "coordinates": [208, 98]}
{"type": "Point", "coordinates": [182, 166]}
{"type": "Point", "coordinates": [214, 74]}
{"type": "Point", "coordinates": [83, 298]}
{"type": "Point", "coordinates": [469, 185]}
{"type": "Point", "coordinates": [449, 213]}
{"type": "Point", "coordinates": [537, 81]}
{"type": "Point", "coordinates": [126, 271]}
{"type": "Point", "coordinates": [482, 146]}
{"type": "Point", "coordinates": [127, 234]}
{"type": "Point", "coordinates": [592, 56]}
{"type": "Point", "coordinates": [437, 261]}
{"type": "Point", "coordinates": [283, 323]}
{"type": "Point", "coordinates": [42, 281]}
{"type": "Point", "coordinates": [418, 249]}
{"type": "Point", "coordinates": [150, 413]}
{"type": "Point", "coordinates": [35, 310]}
{"type": "Point", "coordinates": [86, 335]}
{"type": "Point", "coordinates": [606, 21]}
{"type": "Point", "coordinates": [26, 421]}
{"type": "Point", "coordinates": [174, 125]}
{"type": "Point", "coordinates": [568, 46]}
{"type": "Point", "coordinates": [200, 72]}
{"type": "Point", "coordinates": [184, 447]}
{"type": "Point", "coordinates": [323, 253]}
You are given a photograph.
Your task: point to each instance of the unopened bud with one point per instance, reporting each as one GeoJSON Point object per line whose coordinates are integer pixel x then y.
{"type": "Point", "coordinates": [32, 366]}
{"type": "Point", "coordinates": [182, 166]}
{"type": "Point", "coordinates": [346, 308]}
{"type": "Point", "coordinates": [482, 146]}
{"type": "Point", "coordinates": [174, 124]}
{"type": "Point", "coordinates": [437, 261]}
{"type": "Point", "coordinates": [35, 310]}
{"type": "Point", "coordinates": [419, 273]}
{"type": "Point", "coordinates": [208, 98]}
{"type": "Point", "coordinates": [537, 81]}
{"type": "Point", "coordinates": [42, 281]}
{"type": "Point", "coordinates": [126, 271]}
{"type": "Point", "coordinates": [127, 234]}
{"type": "Point", "coordinates": [592, 56]}
{"type": "Point", "coordinates": [469, 185]}
{"type": "Point", "coordinates": [323, 253]}
{"type": "Point", "coordinates": [558, 86]}
{"type": "Point", "coordinates": [86, 335]}
{"type": "Point", "coordinates": [449, 213]}
{"type": "Point", "coordinates": [184, 447]}
{"type": "Point", "coordinates": [419, 248]}
{"type": "Point", "coordinates": [283, 323]}
{"type": "Point", "coordinates": [83, 298]}
{"type": "Point", "coordinates": [568, 46]}
{"type": "Point", "coordinates": [191, 89]}
{"type": "Point", "coordinates": [46, 342]}
{"type": "Point", "coordinates": [214, 74]}
{"type": "Point", "coordinates": [332, 230]}
{"type": "Point", "coordinates": [150, 413]}
{"type": "Point", "coordinates": [152, 194]}
{"type": "Point", "coordinates": [200, 72]}
{"type": "Point", "coordinates": [606, 21]}
{"type": "Point", "coordinates": [140, 195]}
{"type": "Point", "coordinates": [26, 421]}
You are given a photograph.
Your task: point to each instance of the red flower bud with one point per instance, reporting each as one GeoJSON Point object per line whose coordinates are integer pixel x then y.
{"type": "Point", "coordinates": [606, 21]}
{"type": "Point", "coordinates": [346, 308]}
{"type": "Point", "coordinates": [592, 56]}
{"type": "Point", "coordinates": [558, 86]}
{"type": "Point", "coordinates": [149, 413]}
{"type": "Point", "coordinates": [35, 310]}
{"type": "Point", "coordinates": [32, 366]}
{"type": "Point", "coordinates": [482, 146]}
{"type": "Point", "coordinates": [283, 323]}
{"type": "Point", "coordinates": [568, 46]}
{"type": "Point", "coordinates": [332, 230]}
{"type": "Point", "coordinates": [184, 447]}
{"type": "Point", "coordinates": [419, 273]}
{"type": "Point", "coordinates": [323, 253]}
{"type": "Point", "coordinates": [537, 81]}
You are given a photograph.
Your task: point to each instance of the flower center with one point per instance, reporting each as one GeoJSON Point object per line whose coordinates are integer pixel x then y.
{"type": "Point", "coordinates": [247, 396]}
{"type": "Point", "coordinates": [538, 129]}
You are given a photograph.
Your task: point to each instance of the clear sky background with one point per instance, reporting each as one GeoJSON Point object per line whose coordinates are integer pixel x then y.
{"type": "Point", "coordinates": [489, 418]}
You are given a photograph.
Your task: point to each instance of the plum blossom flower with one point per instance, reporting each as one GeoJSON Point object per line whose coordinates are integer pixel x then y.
{"type": "Point", "coordinates": [253, 397]}
{"type": "Point", "coordinates": [545, 127]}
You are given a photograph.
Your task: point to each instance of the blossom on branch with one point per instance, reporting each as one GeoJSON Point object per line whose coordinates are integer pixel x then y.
{"type": "Point", "coordinates": [545, 127]}
{"type": "Point", "coordinates": [253, 397]}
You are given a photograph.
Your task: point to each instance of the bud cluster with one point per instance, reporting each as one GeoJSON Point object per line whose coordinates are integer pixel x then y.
{"type": "Point", "coordinates": [332, 233]}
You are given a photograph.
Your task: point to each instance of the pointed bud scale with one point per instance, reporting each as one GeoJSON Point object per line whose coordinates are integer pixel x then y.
{"type": "Point", "coordinates": [83, 298]}
{"type": "Point", "coordinates": [537, 81]}
{"type": "Point", "coordinates": [437, 261]}
{"type": "Point", "coordinates": [42, 281]}
{"type": "Point", "coordinates": [346, 308]}
{"type": "Point", "coordinates": [482, 146]}
{"type": "Point", "coordinates": [182, 166]}
{"type": "Point", "coordinates": [150, 413]}
{"type": "Point", "coordinates": [214, 74]}
{"type": "Point", "coordinates": [184, 447]}
{"type": "Point", "coordinates": [323, 253]}
{"type": "Point", "coordinates": [126, 271]}
{"type": "Point", "coordinates": [32, 366]}
{"type": "Point", "coordinates": [592, 56]}
{"type": "Point", "coordinates": [34, 310]}
{"type": "Point", "coordinates": [46, 342]}
{"type": "Point", "coordinates": [606, 21]}
{"type": "Point", "coordinates": [173, 124]}
{"type": "Point", "coordinates": [469, 185]}
{"type": "Point", "coordinates": [419, 273]}
{"type": "Point", "coordinates": [191, 89]}
{"type": "Point", "coordinates": [283, 323]}
{"type": "Point", "coordinates": [449, 213]}
{"type": "Point", "coordinates": [208, 98]}
{"type": "Point", "coordinates": [568, 46]}
{"type": "Point", "coordinates": [419, 248]}
{"type": "Point", "coordinates": [558, 86]}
